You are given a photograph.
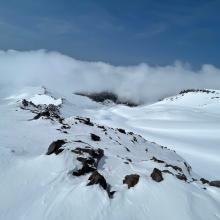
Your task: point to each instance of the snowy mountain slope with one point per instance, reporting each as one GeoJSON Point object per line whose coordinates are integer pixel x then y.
{"type": "Point", "coordinates": [188, 123]}
{"type": "Point", "coordinates": [61, 181]}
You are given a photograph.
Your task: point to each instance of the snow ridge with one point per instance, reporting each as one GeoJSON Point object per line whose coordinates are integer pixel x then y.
{"type": "Point", "coordinates": [87, 170]}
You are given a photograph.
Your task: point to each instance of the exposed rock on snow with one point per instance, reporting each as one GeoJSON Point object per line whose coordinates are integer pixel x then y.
{"type": "Point", "coordinates": [49, 111]}
{"type": "Point", "coordinates": [204, 181]}
{"type": "Point", "coordinates": [95, 137]}
{"type": "Point", "coordinates": [106, 97]}
{"type": "Point", "coordinates": [89, 159]}
{"type": "Point", "coordinates": [156, 175]}
{"type": "Point", "coordinates": [85, 121]}
{"type": "Point", "coordinates": [156, 160]}
{"type": "Point", "coordinates": [97, 178]}
{"type": "Point", "coordinates": [85, 167]}
{"type": "Point", "coordinates": [55, 147]}
{"type": "Point", "coordinates": [215, 183]}
{"type": "Point", "coordinates": [196, 90]}
{"type": "Point", "coordinates": [131, 180]}
{"type": "Point", "coordinates": [181, 177]}
{"type": "Point", "coordinates": [121, 130]}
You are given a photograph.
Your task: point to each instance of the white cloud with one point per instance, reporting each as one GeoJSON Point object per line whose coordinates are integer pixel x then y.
{"type": "Point", "coordinates": [141, 83]}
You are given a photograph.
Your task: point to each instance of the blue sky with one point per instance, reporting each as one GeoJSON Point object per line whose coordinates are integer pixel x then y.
{"type": "Point", "coordinates": [122, 32]}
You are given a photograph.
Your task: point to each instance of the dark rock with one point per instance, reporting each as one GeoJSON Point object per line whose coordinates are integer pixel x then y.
{"type": "Point", "coordinates": [104, 96]}
{"type": "Point", "coordinates": [86, 168]}
{"type": "Point", "coordinates": [97, 178]}
{"type": "Point", "coordinates": [121, 130]}
{"type": "Point", "coordinates": [196, 90]}
{"type": "Point", "coordinates": [156, 175]}
{"type": "Point", "coordinates": [181, 177]}
{"type": "Point", "coordinates": [134, 139]}
{"type": "Point", "coordinates": [188, 167]}
{"type": "Point", "coordinates": [131, 180]}
{"type": "Point", "coordinates": [89, 159]}
{"type": "Point", "coordinates": [24, 102]}
{"type": "Point", "coordinates": [94, 153]}
{"type": "Point", "coordinates": [174, 167]}
{"type": "Point", "coordinates": [51, 111]}
{"type": "Point", "coordinates": [130, 133]}
{"type": "Point", "coordinates": [111, 194]}
{"type": "Point", "coordinates": [102, 127]}
{"type": "Point", "coordinates": [215, 183]}
{"type": "Point", "coordinates": [65, 126]}
{"type": "Point", "coordinates": [167, 171]}
{"type": "Point", "coordinates": [95, 137]}
{"type": "Point", "coordinates": [127, 149]}
{"type": "Point", "coordinates": [45, 113]}
{"type": "Point", "coordinates": [55, 147]}
{"type": "Point", "coordinates": [157, 160]}
{"type": "Point", "coordinates": [204, 181]}
{"type": "Point", "coordinates": [85, 121]}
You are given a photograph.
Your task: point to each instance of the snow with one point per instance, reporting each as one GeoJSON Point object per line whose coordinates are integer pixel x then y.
{"type": "Point", "coordinates": [34, 185]}
{"type": "Point", "coordinates": [183, 123]}
{"type": "Point", "coordinates": [45, 100]}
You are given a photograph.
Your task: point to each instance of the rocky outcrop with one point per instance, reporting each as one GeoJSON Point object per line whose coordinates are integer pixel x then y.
{"type": "Point", "coordinates": [106, 96]}
{"type": "Point", "coordinates": [97, 178]}
{"type": "Point", "coordinates": [89, 159]}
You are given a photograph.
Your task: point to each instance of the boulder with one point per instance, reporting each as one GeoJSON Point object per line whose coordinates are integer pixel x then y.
{"type": "Point", "coordinates": [55, 147]}
{"type": "Point", "coordinates": [156, 175]}
{"type": "Point", "coordinates": [95, 137]}
{"type": "Point", "coordinates": [131, 180]}
{"type": "Point", "coordinates": [121, 130]}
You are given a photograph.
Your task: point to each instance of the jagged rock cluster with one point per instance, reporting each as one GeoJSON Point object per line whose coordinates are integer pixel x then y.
{"type": "Point", "coordinates": [196, 90]}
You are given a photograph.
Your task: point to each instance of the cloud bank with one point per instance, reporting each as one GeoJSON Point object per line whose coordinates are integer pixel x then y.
{"type": "Point", "coordinates": [142, 83]}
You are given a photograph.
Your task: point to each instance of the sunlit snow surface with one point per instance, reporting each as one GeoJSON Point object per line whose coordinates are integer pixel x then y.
{"type": "Point", "coordinates": [38, 186]}
{"type": "Point", "coordinates": [189, 124]}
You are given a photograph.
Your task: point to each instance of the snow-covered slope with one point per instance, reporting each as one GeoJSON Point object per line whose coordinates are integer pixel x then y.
{"type": "Point", "coordinates": [188, 123]}
{"type": "Point", "coordinates": [55, 163]}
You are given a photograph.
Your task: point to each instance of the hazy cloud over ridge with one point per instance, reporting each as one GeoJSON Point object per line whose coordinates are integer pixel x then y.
{"type": "Point", "coordinates": [142, 83]}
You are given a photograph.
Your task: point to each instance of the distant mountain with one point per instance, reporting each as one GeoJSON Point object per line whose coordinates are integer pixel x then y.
{"type": "Point", "coordinates": [107, 97]}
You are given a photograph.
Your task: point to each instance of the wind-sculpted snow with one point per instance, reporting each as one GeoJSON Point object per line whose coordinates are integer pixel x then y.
{"type": "Point", "coordinates": [55, 165]}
